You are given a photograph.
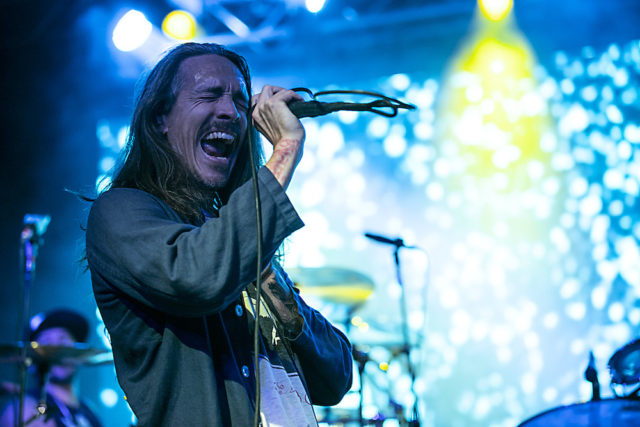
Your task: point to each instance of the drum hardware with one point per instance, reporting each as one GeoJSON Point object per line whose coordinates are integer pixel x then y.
{"type": "Point", "coordinates": [397, 244]}
{"type": "Point", "coordinates": [361, 358]}
{"type": "Point", "coordinates": [624, 368]}
{"type": "Point", "coordinates": [591, 375]}
{"type": "Point", "coordinates": [344, 291]}
{"type": "Point", "coordinates": [44, 357]}
{"type": "Point", "coordinates": [75, 354]}
{"type": "Point", "coordinates": [334, 285]}
{"type": "Point", "coordinates": [370, 347]}
{"type": "Point", "coordinates": [614, 412]}
{"type": "Point", "coordinates": [366, 349]}
{"type": "Point", "coordinates": [621, 411]}
{"type": "Point", "coordinates": [399, 412]}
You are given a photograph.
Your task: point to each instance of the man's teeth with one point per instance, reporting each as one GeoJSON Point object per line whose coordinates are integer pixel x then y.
{"type": "Point", "coordinates": [211, 136]}
{"type": "Point", "coordinates": [217, 143]}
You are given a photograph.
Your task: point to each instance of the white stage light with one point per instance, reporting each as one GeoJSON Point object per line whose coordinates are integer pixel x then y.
{"type": "Point", "coordinates": [109, 397]}
{"type": "Point", "coordinates": [314, 6]}
{"type": "Point", "coordinates": [131, 31]}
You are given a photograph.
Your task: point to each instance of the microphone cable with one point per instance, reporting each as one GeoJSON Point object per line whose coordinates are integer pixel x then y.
{"type": "Point", "coordinates": [256, 328]}
{"type": "Point", "coordinates": [301, 109]}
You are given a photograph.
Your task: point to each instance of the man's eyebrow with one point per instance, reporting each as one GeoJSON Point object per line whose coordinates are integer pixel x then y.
{"type": "Point", "coordinates": [216, 88]}
{"type": "Point", "coordinates": [209, 87]}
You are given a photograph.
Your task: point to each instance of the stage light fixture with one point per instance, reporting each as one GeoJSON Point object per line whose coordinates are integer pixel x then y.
{"type": "Point", "coordinates": [131, 31]}
{"type": "Point", "coordinates": [179, 25]}
{"type": "Point", "coordinates": [314, 6]}
{"type": "Point", "coordinates": [495, 10]}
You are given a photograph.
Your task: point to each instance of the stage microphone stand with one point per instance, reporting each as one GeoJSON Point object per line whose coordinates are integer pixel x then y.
{"type": "Point", "coordinates": [30, 240]}
{"type": "Point", "coordinates": [361, 358]}
{"type": "Point", "coordinates": [405, 336]}
{"type": "Point", "coordinates": [591, 375]}
{"type": "Point", "coordinates": [399, 243]}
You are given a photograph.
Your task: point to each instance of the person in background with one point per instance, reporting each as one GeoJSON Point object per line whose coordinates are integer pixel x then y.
{"type": "Point", "coordinates": [64, 328]}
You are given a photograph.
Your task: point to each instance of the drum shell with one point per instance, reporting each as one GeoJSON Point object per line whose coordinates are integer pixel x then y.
{"type": "Point", "coordinates": [600, 413]}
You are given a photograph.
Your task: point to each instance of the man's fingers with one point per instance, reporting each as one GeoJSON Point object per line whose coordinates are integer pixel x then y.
{"type": "Point", "coordinates": [274, 94]}
{"type": "Point", "coordinates": [266, 93]}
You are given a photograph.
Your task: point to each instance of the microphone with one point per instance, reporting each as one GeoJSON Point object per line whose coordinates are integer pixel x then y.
{"type": "Point", "coordinates": [383, 106]}
{"type": "Point", "coordinates": [399, 243]}
{"type": "Point", "coordinates": [40, 222]}
{"type": "Point", "coordinates": [34, 226]}
{"type": "Point", "coordinates": [302, 109]}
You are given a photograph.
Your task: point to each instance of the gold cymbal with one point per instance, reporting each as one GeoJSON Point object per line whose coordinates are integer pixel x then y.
{"type": "Point", "coordinates": [75, 354]}
{"type": "Point", "coordinates": [333, 284]}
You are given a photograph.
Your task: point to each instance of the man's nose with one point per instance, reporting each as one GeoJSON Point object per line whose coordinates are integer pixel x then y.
{"type": "Point", "coordinates": [226, 108]}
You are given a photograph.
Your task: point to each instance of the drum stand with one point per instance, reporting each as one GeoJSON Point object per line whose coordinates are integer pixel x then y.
{"type": "Point", "coordinates": [405, 335]}
{"type": "Point", "coordinates": [399, 243]}
{"type": "Point", "coordinates": [361, 360]}
{"type": "Point", "coordinates": [43, 379]}
{"type": "Point", "coordinates": [591, 375]}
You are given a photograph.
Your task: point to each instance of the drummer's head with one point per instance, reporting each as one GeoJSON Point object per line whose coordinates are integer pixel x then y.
{"type": "Point", "coordinates": [60, 327]}
{"type": "Point", "coordinates": [73, 322]}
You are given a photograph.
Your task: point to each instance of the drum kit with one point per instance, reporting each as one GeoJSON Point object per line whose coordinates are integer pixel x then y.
{"type": "Point", "coordinates": [348, 290]}
{"type": "Point", "coordinates": [623, 410]}
{"type": "Point", "coordinates": [43, 358]}
{"type": "Point", "coordinates": [339, 293]}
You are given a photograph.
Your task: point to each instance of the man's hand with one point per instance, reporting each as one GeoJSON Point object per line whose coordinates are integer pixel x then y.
{"type": "Point", "coordinates": [282, 128]}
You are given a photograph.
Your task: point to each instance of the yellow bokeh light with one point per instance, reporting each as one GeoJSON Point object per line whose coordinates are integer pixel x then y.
{"type": "Point", "coordinates": [495, 10]}
{"type": "Point", "coordinates": [180, 25]}
{"type": "Point", "coordinates": [491, 121]}
{"type": "Point", "coordinates": [494, 113]}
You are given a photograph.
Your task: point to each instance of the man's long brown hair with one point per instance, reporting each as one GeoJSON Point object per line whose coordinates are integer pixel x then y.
{"type": "Point", "coordinates": [150, 164]}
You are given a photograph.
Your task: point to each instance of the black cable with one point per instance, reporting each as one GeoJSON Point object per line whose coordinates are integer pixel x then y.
{"type": "Point", "coordinates": [380, 105]}
{"type": "Point", "coordinates": [256, 330]}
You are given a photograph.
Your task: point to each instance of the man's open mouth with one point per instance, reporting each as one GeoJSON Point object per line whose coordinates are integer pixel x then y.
{"type": "Point", "coordinates": [218, 144]}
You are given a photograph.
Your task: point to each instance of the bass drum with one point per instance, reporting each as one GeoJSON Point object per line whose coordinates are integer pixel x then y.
{"type": "Point", "coordinates": [600, 413]}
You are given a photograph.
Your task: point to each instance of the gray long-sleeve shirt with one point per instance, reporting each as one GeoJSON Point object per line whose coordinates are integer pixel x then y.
{"type": "Point", "coordinates": [166, 291]}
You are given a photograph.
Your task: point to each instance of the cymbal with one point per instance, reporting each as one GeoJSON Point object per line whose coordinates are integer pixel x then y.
{"type": "Point", "coordinates": [75, 354]}
{"type": "Point", "coordinates": [333, 284]}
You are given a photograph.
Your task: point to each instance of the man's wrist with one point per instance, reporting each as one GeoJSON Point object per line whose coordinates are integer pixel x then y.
{"type": "Point", "coordinates": [284, 159]}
